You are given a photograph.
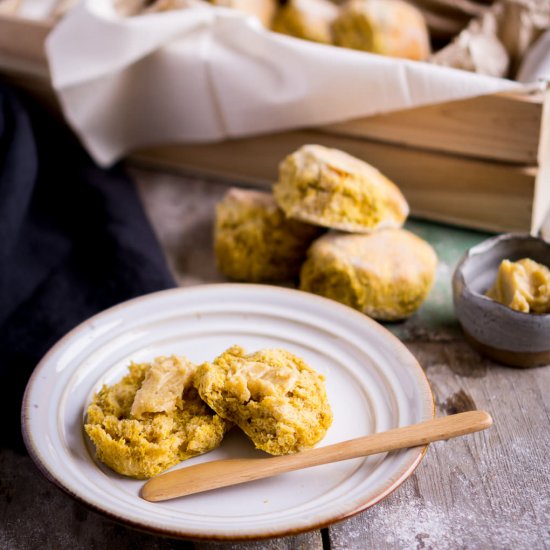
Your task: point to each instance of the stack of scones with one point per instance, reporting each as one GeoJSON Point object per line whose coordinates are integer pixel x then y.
{"type": "Point", "coordinates": [335, 223]}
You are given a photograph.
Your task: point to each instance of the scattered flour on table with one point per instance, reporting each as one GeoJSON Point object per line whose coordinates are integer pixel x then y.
{"type": "Point", "coordinates": [415, 525]}
{"type": "Point", "coordinates": [406, 521]}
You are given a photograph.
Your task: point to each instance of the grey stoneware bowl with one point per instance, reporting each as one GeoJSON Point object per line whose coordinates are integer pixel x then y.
{"type": "Point", "coordinates": [497, 331]}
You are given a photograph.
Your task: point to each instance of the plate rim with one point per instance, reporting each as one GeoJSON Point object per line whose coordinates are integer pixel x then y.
{"type": "Point", "coordinates": [32, 449]}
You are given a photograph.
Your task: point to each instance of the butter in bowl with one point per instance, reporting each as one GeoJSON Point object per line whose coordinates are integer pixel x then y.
{"type": "Point", "coordinates": [501, 299]}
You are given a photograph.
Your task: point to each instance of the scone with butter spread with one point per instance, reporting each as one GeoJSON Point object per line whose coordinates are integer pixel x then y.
{"type": "Point", "coordinates": [152, 419]}
{"type": "Point", "coordinates": [307, 19]}
{"type": "Point", "coordinates": [387, 274]}
{"type": "Point", "coordinates": [523, 285]}
{"type": "Point", "coordinates": [332, 189]}
{"type": "Point", "coordinates": [272, 395]}
{"type": "Point", "coordinates": [387, 27]}
{"type": "Point", "coordinates": [254, 241]}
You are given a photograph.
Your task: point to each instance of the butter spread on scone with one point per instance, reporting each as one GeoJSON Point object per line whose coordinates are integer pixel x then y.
{"type": "Point", "coordinates": [272, 395]}
{"type": "Point", "coordinates": [254, 241]}
{"type": "Point", "coordinates": [330, 188]}
{"type": "Point", "coordinates": [523, 285]}
{"type": "Point", "coordinates": [163, 386]}
{"type": "Point", "coordinates": [387, 274]}
{"type": "Point", "coordinates": [152, 419]}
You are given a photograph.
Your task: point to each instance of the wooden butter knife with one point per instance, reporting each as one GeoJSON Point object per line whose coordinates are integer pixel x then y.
{"type": "Point", "coordinates": [222, 473]}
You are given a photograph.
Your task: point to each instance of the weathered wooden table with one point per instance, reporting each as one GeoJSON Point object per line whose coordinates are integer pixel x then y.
{"type": "Point", "coordinates": [487, 490]}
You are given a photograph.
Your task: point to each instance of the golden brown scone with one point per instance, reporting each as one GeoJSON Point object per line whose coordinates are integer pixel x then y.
{"type": "Point", "coordinates": [387, 274]}
{"type": "Point", "coordinates": [330, 188]}
{"type": "Point", "coordinates": [254, 241]}
{"type": "Point", "coordinates": [307, 19]}
{"type": "Point", "coordinates": [386, 27]}
{"type": "Point", "coordinates": [272, 395]}
{"type": "Point", "coordinates": [152, 419]}
{"type": "Point", "coordinates": [264, 10]}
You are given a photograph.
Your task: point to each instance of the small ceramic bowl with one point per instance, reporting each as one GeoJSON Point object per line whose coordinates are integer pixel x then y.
{"type": "Point", "coordinates": [497, 331]}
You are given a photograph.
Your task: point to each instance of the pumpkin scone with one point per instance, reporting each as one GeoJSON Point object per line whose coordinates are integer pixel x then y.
{"type": "Point", "coordinates": [330, 188]}
{"type": "Point", "coordinates": [254, 241]}
{"type": "Point", "coordinates": [387, 274]}
{"type": "Point", "coordinates": [152, 419]}
{"type": "Point", "coordinates": [272, 395]}
{"type": "Point", "coordinates": [387, 27]}
{"type": "Point", "coordinates": [307, 19]}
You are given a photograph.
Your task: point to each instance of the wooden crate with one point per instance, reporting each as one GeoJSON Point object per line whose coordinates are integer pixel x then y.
{"type": "Point", "coordinates": [482, 162]}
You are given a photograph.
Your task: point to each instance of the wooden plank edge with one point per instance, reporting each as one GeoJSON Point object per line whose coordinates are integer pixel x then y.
{"type": "Point", "coordinates": [508, 127]}
{"type": "Point", "coordinates": [541, 204]}
{"type": "Point", "coordinates": [24, 39]}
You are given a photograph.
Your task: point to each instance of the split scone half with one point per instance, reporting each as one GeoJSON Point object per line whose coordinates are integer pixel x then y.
{"type": "Point", "coordinates": [387, 274]}
{"type": "Point", "coordinates": [330, 188]}
{"type": "Point", "coordinates": [152, 419]}
{"type": "Point", "coordinates": [272, 395]}
{"type": "Point", "coordinates": [254, 241]}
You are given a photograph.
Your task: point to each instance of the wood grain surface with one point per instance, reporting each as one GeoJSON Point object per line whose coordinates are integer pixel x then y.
{"type": "Point", "coordinates": [486, 490]}
{"type": "Point", "coordinates": [509, 127]}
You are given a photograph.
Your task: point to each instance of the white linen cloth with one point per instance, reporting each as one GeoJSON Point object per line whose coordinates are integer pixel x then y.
{"type": "Point", "coordinates": [206, 74]}
{"type": "Point", "coordinates": [536, 63]}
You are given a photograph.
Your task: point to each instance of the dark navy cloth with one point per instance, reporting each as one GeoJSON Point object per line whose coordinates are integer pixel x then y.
{"type": "Point", "coordinates": [74, 240]}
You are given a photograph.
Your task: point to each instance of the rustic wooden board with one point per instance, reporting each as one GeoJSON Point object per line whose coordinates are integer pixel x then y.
{"type": "Point", "coordinates": [22, 46]}
{"type": "Point", "coordinates": [508, 127]}
{"type": "Point", "coordinates": [307, 541]}
{"type": "Point", "coordinates": [487, 490]}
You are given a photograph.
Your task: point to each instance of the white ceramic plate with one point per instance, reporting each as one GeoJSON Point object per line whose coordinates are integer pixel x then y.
{"type": "Point", "coordinates": [373, 384]}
